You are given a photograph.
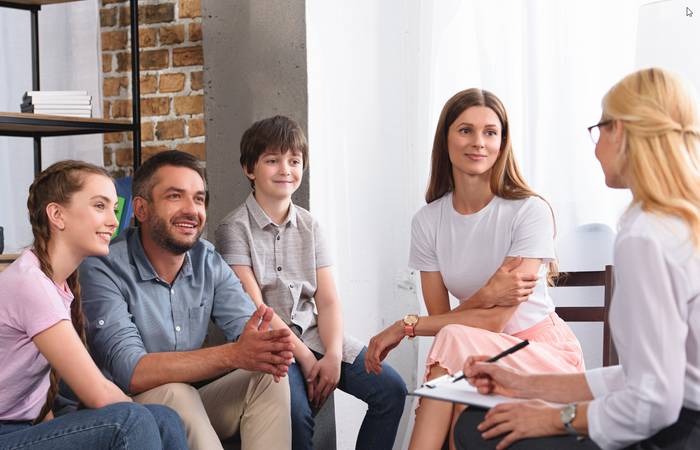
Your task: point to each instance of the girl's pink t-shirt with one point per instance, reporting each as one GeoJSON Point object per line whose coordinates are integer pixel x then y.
{"type": "Point", "coordinates": [30, 302]}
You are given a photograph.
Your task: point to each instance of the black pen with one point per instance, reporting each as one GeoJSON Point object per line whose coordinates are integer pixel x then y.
{"type": "Point", "coordinates": [506, 352]}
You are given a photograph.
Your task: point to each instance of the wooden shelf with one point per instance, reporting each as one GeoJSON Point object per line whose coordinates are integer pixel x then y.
{"type": "Point", "coordinates": [39, 125]}
{"type": "Point", "coordinates": [7, 259]}
{"type": "Point", "coordinates": [31, 3]}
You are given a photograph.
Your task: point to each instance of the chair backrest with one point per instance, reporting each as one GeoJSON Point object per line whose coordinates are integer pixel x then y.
{"type": "Point", "coordinates": [591, 313]}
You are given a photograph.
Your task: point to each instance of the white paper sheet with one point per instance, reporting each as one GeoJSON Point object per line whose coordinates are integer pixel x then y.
{"type": "Point", "coordinates": [443, 388]}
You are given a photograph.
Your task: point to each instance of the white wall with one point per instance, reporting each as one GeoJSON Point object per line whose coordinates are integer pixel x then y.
{"type": "Point", "coordinates": [667, 37]}
{"type": "Point", "coordinates": [365, 164]}
{"type": "Point", "coordinates": [379, 73]}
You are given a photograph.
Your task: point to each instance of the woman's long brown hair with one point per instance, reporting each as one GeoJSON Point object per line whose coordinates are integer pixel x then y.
{"type": "Point", "coordinates": [57, 184]}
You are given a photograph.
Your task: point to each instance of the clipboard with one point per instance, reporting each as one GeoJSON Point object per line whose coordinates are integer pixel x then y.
{"type": "Point", "coordinates": [442, 388]}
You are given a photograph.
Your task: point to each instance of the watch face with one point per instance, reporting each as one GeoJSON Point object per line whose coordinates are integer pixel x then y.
{"type": "Point", "coordinates": [410, 319]}
{"type": "Point", "coordinates": [568, 413]}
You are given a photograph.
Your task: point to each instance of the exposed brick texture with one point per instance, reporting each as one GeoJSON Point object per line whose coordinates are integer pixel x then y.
{"type": "Point", "coordinates": [149, 150]}
{"type": "Point", "coordinates": [114, 40]}
{"type": "Point", "coordinates": [108, 17]}
{"type": "Point", "coordinates": [113, 138]}
{"type": "Point", "coordinates": [196, 80]}
{"type": "Point", "coordinates": [195, 33]}
{"type": "Point", "coordinates": [190, 8]}
{"type": "Point", "coordinates": [123, 61]}
{"type": "Point", "coordinates": [195, 127]}
{"type": "Point", "coordinates": [195, 148]}
{"type": "Point", "coordinates": [163, 12]}
{"type": "Point", "coordinates": [107, 62]}
{"type": "Point", "coordinates": [112, 86]}
{"type": "Point", "coordinates": [147, 133]}
{"type": "Point", "coordinates": [171, 82]}
{"type": "Point", "coordinates": [148, 84]}
{"type": "Point", "coordinates": [172, 34]}
{"type": "Point", "coordinates": [155, 106]}
{"type": "Point", "coordinates": [188, 56]}
{"type": "Point", "coordinates": [170, 129]}
{"type": "Point", "coordinates": [148, 37]}
{"type": "Point", "coordinates": [154, 59]}
{"type": "Point", "coordinates": [124, 156]}
{"type": "Point", "coordinates": [192, 104]}
{"type": "Point", "coordinates": [121, 109]}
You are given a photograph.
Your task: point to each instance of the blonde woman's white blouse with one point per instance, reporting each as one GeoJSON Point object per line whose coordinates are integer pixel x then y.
{"type": "Point", "coordinates": [655, 322]}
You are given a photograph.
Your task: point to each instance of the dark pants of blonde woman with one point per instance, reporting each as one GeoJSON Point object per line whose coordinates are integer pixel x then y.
{"type": "Point", "coordinates": [682, 435]}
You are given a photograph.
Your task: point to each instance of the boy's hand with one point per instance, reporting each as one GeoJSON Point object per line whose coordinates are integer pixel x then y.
{"type": "Point", "coordinates": [325, 375]}
{"type": "Point", "coordinates": [306, 361]}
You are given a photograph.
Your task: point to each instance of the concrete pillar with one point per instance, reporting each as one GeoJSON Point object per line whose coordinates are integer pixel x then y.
{"type": "Point", "coordinates": [254, 67]}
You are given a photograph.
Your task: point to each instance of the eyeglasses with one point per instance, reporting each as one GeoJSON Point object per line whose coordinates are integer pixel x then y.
{"type": "Point", "coordinates": [594, 130]}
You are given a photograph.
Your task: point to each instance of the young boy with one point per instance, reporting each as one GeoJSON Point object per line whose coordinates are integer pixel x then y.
{"type": "Point", "coordinates": [279, 254]}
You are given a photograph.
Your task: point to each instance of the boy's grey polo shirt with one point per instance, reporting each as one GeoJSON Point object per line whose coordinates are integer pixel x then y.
{"type": "Point", "coordinates": [284, 259]}
{"type": "Point", "coordinates": [129, 311]}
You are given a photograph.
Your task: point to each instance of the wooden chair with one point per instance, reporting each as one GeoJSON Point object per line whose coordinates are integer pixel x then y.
{"type": "Point", "coordinates": [591, 313]}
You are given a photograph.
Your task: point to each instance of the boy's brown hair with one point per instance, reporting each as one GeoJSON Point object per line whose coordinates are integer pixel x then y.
{"type": "Point", "coordinates": [274, 133]}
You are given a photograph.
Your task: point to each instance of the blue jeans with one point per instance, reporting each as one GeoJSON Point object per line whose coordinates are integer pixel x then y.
{"type": "Point", "coordinates": [385, 395]}
{"type": "Point", "coordinates": [117, 426]}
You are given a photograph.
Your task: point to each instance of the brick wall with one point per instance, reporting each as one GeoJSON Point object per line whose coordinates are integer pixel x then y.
{"type": "Point", "coordinates": [172, 96]}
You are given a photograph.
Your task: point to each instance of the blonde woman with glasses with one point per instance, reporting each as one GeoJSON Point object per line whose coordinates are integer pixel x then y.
{"type": "Point", "coordinates": [648, 142]}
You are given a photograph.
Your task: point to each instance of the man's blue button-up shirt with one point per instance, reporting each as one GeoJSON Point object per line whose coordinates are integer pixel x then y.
{"type": "Point", "coordinates": [130, 311]}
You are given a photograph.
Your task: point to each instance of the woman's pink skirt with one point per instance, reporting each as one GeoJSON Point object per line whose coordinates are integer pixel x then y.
{"type": "Point", "coordinates": [553, 347]}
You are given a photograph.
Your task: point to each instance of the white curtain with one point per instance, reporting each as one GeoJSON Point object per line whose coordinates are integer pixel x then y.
{"type": "Point", "coordinates": [69, 40]}
{"type": "Point", "coordinates": [379, 73]}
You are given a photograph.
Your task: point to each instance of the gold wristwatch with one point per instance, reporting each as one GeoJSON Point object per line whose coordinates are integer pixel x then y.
{"type": "Point", "coordinates": [409, 325]}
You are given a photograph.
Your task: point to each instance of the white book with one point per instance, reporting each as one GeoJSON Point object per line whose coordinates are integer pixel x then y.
{"type": "Point", "coordinates": [58, 106]}
{"type": "Point", "coordinates": [57, 101]}
{"type": "Point", "coordinates": [55, 93]}
{"type": "Point", "coordinates": [443, 388]}
{"type": "Point", "coordinates": [58, 112]}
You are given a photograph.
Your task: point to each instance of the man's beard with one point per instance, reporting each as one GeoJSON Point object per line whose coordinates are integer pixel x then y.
{"type": "Point", "coordinates": [161, 236]}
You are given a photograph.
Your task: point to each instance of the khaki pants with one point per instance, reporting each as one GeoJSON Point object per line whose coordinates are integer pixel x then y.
{"type": "Point", "coordinates": [241, 400]}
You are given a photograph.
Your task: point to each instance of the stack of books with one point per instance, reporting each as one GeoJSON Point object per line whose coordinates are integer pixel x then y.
{"type": "Point", "coordinates": [59, 103]}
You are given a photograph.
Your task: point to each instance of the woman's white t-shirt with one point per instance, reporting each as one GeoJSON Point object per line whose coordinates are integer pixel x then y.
{"type": "Point", "coordinates": [468, 249]}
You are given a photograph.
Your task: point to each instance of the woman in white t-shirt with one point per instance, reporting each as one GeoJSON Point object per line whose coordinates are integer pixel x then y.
{"type": "Point", "coordinates": [647, 141]}
{"type": "Point", "coordinates": [486, 238]}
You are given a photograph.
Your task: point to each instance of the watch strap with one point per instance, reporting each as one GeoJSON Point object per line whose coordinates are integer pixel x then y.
{"type": "Point", "coordinates": [409, 326]}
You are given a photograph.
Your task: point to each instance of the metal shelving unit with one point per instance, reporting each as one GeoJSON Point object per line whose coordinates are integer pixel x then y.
{"type": "Point", "coordinates": [39, 126]}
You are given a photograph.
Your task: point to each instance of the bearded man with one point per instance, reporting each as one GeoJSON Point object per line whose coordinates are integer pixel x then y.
{"type": "Point", "coordinates": [148, 305]}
